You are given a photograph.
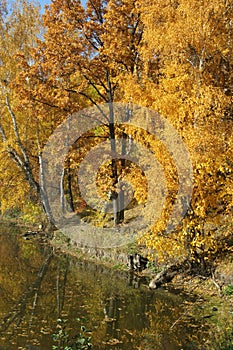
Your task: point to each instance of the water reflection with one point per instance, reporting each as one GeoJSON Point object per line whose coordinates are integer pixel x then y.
{"type": "Point", "coordinates": [38, 287]}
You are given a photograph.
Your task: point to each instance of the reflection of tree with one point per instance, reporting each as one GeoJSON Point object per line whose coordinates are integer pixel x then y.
{"type": "Point", "coordinates": [17, 312]}
{"type": "Point", "coordinates": [61, 286]}
{"type": "Point", "coordinates": [112, 314]}
{"type": "Point", "coordinates": [135, 280]}
{"type": "Point", "coordinates": [124, 314]}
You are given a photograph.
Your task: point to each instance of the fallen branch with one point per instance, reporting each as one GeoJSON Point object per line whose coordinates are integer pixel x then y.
{"type": "Point", "coordinates": [167, 275]}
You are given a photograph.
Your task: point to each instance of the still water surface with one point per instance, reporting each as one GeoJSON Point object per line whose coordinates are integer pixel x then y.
{"type": "Point", "coordinates": [37, 287]}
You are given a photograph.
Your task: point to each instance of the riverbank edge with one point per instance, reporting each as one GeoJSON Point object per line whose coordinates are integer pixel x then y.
{"type": "Point", "coordinates": [117, 258]}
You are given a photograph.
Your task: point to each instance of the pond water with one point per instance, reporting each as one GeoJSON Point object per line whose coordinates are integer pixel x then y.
{"type": "Point", "coordinates": [37, 287]}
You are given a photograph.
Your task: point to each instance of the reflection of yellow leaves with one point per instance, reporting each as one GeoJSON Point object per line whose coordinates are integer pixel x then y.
{"type": "Point", "coordinates": [128, 331]}
{"type": "Point", "coordinates": [113, 341]}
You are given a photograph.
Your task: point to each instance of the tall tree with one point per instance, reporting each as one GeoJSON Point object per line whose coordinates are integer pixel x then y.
{"type": "Point", "coordinates": [76, 61]}
{"type": "Point", "coordinates": [20, 26]}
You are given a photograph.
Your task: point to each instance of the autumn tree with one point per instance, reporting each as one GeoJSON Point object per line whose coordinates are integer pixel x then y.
{"type": "Point", "coordinates": [84, 55]}
{"type": "Point", "coordinates": [187, 77]}
{"type": "Point", "coordinates": [154, 54]}
{"type": "Point", "coordinates": [20, 27]}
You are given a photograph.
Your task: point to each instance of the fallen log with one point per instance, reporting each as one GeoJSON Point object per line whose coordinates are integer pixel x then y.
{"type": "Point", "coordinates": [166, 275]}
{"type": "Point", "coordinates": [198, 266]}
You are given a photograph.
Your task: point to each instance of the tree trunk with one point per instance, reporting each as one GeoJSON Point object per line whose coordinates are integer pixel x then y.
{"type": "Point", "coordinates": [115, 202]}
{"type": "Point", "coordinates": [121, 199]}
{"type": "Point", "coordinates": [122, 193]}
{"type": "Point", "coordinates": [69, 190]}
{"type": "Point", "coordinates": [21, 159]}
{"type": "Point", "coordinates": [43, 193]}
{"type": "Point", "coordinates": [69, 186]}
{"type": "Point", "coordinates": [62, 195]}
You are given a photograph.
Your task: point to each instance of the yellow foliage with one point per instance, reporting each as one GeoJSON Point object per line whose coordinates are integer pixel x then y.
{"type": "Point", "coordinates": [156, 54]}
